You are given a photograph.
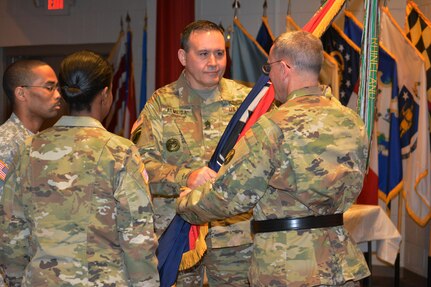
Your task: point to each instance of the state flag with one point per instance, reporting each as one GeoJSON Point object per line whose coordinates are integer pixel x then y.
{"type": "Point", "coordinates": [413, 118]}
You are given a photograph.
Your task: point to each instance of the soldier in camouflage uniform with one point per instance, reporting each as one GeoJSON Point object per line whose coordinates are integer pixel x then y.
{"type": "Point", "coordinates": [299, 167]}
{"type": "Point", "coordinates": [82, 193]}
{"type": "Point", "coordinates": [31, 88]}
{"type": "Point", "coordinates": [177, 133]}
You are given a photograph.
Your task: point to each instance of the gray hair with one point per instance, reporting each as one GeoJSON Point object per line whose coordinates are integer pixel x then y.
{"type": "Point", "coordinates": [300, 49]}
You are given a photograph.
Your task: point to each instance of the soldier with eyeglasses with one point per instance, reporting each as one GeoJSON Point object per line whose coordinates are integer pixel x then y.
{"type": "Point", "coordinates": [299, 167]}
{"type": "Point", "coordinates": [31, 87]}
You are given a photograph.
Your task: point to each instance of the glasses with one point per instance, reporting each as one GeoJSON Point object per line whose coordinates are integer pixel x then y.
{"type": "Point", "coordinates": [49, 88]}
{"type": "Point", "coordinates": [266, 68]}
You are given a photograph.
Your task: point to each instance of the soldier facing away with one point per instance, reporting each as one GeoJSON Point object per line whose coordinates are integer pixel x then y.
{"type": "Point", "coordinates": [76, 211]}
{"type": "Point", "coordinates": [299, 168]}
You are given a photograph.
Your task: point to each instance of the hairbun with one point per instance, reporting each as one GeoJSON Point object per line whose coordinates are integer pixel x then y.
{"type": "Point", "coordinates": [71, 91]}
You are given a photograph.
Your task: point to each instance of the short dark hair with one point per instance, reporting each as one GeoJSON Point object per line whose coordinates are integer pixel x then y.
{"type": "Point", "coordinates": [200, 25]}
{"type": "Point", "coordinates": [82, 76]}
{"type": "Point", "coordinates": [18, 74]}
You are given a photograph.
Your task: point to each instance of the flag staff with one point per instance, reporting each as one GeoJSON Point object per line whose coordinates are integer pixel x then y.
{"type": "Point", "coordinates": [236, 5]}
{"type": "Point", "coordinates": [265, 7]}
{"type": "Point", "coordinates": [145, 17]}
{"type": "Point", "coordinates": [128, 20]}
{"type": "Point", "coordinates": [288, 7]}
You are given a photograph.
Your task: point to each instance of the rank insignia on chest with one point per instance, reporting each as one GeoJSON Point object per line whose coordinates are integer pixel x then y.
{"type": "Point", "coordinates": [229, 156]}
{"type": "Point", "coordinates": [172, 145]}
{"type": "Point", "coordinates": [207, 124]}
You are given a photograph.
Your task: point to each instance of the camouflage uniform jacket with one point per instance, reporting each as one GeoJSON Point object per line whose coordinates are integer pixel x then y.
{"type": "Point", "coordinates": [12, 136]}
{"type": "Point", "coordinates": [305, 158]}
{"type": "Point", "coordinates": [77, 211]}
{"type": "Point", "coordinates": [178, 132]}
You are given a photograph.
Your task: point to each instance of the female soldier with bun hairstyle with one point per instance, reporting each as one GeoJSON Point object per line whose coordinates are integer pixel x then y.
{"type": "Point", "coordinates": [82, 194]}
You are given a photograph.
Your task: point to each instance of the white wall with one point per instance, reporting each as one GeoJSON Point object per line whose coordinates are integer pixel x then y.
{"type": "Point", "coordinates": [98, 21]}
{"type": "Point", "coordinates": [87, 22]}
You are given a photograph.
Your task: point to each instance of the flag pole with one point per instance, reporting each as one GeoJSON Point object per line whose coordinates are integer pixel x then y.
{"type": "Point", "coordinates": [236, 5]}
{"type": "Point", "coordinates": [288, 8]}
{"type": "Point", "coordinates": [143, 95]}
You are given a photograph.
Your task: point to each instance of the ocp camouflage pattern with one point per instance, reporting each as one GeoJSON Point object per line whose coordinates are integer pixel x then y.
{"type": "Point", "coordinates": [82, 193]}
{"type": "Point", "coordinates": [178, 132]}
{"type": "Point", "coordinates": [306, 157]}
{"type": "Point", "coordinates": [12, 136]}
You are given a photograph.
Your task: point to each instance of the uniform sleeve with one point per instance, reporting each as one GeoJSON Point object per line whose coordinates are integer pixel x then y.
{"type": "Point", "coordinates": [135, 223]}
{"type": "Point", "coordinates": [165, 179]}
{"type": "Point", "coordinates": [240, 183]}
{"type": "Point", "coordinates": [14, 228]}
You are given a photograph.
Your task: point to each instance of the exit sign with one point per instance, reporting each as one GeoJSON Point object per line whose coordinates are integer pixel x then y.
{"type": "Point", "coordinates": [55, 4]}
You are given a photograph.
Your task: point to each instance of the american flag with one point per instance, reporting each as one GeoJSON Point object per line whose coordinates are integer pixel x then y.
{"type": "Point", "coordinates": [3, 170]}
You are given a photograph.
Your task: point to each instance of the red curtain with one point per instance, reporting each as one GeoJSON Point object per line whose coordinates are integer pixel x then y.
{"type": "Point", "coordinates": [172, 17]}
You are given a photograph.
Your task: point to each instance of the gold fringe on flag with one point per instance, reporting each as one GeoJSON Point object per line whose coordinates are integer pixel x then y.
{"type": "Point", "coordinates": [191, 257]}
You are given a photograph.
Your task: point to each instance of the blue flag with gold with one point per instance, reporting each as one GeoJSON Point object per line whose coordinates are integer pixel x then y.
{"type": "Point", "coordinates": [347, 54]}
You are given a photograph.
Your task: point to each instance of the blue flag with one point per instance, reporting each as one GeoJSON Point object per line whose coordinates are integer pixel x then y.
{"type": "Point", "coordinates": [237, 123]}
{"type": "Point", "coordinates": [247, 56]}
{"type": "Point", "coordinates": [347, 54]}
{"type": "Point", "coordinates": [265, 37]}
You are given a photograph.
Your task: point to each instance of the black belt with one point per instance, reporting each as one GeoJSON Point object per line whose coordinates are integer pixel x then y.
{"type": "Point", "coordinates": [272, 225]}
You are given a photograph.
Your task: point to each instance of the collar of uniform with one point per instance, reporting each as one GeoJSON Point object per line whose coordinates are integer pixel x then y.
{"type": "Point", "coordinates": [81, 121]}
{"type": "Point", "coordinates": [308, 91]}
{"type": "Point", "coordinates": [188, 95]}
{"type": "Point", "coordinates": [14, 118]}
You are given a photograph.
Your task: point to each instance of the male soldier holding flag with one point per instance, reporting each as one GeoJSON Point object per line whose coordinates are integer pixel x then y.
{"type": "Point", "coordinates": [177, 133]}
{"type": "Point", "coordinates": [299, 168]}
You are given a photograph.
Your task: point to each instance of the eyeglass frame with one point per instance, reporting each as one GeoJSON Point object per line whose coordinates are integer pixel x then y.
{"type": "Point", "coordinates": [266, 68]}
{"type": "Point", "coordinates": [50, 89]}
